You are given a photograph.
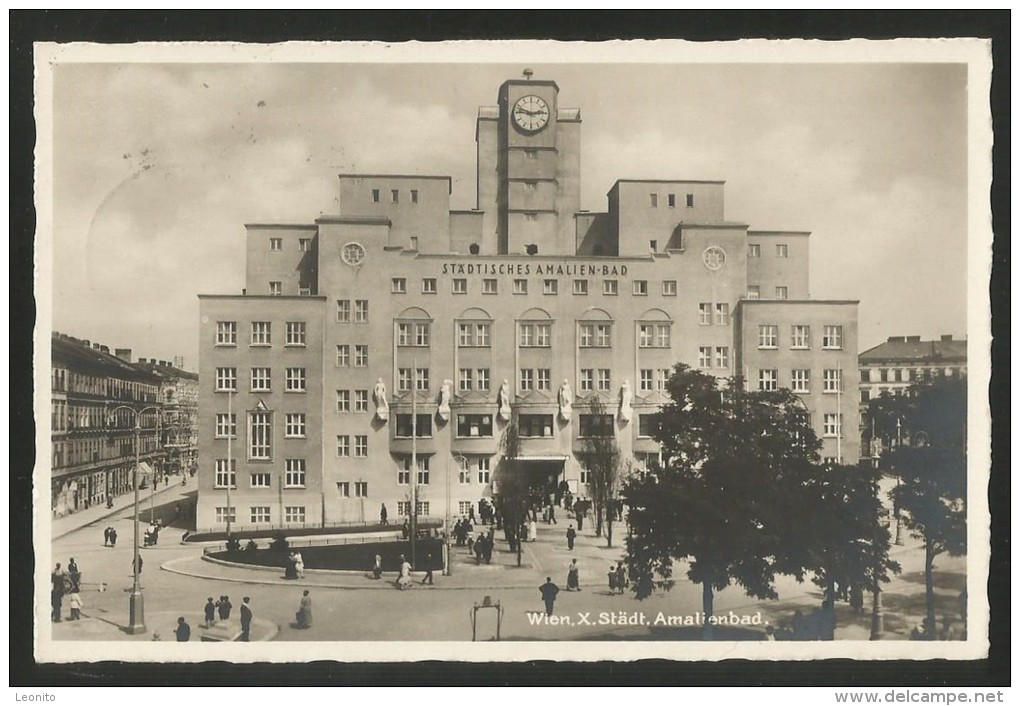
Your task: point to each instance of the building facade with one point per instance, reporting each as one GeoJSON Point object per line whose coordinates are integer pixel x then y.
{"type": "Point", "coordinates": [892, 367]}
{"type": "Point", "coordinates": [178, 399]}
{"type": "Point", "coordinates": [399, 328]}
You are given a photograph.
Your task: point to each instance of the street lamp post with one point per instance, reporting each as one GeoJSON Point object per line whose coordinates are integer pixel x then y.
{"type": "Point", "coordinates": [136, 604]}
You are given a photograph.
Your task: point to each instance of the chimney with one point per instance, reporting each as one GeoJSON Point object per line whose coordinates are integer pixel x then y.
{"type": "Point", "coordinates": [913, 339]}
{"type": "Point", "coordinates": [86, 342]}
{"type": "Point", "coordinates": [95, 346]}
{"type": "Point", "coordinates": [124, 354]}
{"type": "Point", "coordinates": [104, 349]}
{"type": "Point", "coordinates": [947, 337]}
{"type": "Point", "coordinates": [897, 339]}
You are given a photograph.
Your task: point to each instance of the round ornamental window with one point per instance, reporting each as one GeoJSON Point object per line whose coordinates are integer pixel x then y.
{"type": "Point", "coordinates": [353, 254]}
{"type": "Point", "coordinates": [714, 257]}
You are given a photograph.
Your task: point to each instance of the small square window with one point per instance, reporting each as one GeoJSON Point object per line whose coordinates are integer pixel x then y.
{"type": "Point", "coordinates": [304, 244]}
{"type": "Point", "coordinates": [754, 250]}
{"type": "Point", "coordinates": [490, 286]}
{"type": "Point", "coordinates": [580, 286]}
{"type": "Point", "coordinates": [428, 285]}
{"type": "Point", "coordinates": [550, 286]}
{"type": "Point", "coordinates": [399, 285]}
{"type": "Point", "coordinates": [640, 288]}
{"type": "Point", "coordinates": [276, 289]}
{"type": "Point", "coordinates": [460, 286]}
{"type": "Point", "coordinates": [413, 243]}
{"type": "Point", "coordinates": [610, 287]}
{"type": "Point", "coordinates": [520, 286]}
{"type": "Point", "coordinates": [782, 293]}
{"type": "Point", "coordinates": [669, 288]}
{"type": "Point", "coordinates": [782, 251]}
{"type": "Point", "coordinates": [276, 244]}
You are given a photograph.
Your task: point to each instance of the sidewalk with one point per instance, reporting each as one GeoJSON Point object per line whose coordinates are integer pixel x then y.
{"type": "Point", "coordinates": [62, 526]}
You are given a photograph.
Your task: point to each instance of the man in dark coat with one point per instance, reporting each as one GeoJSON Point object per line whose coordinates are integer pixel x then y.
{"type": "Point", "coordinates": [549, 591]}
{"type": "Point", "coordinates": [428, 570]}
{"type": "Point", "coordinates": [183, 630]}
{"type": "Point", "coordinates": [383, 515]}
{"type": "Point", "coordinates": [224, 606]}
{"type": "Point", "coordinates": [210, 612]}
{"type": "Point", "coordinates": [246, 618]}
{"type": "Point", "coordinates": [57, 592]}
{"type": "Point", "coordinates": [571, 536]}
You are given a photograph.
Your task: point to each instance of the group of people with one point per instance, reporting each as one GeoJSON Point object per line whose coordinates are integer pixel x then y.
{"type": "Point", "coordinates": [222, 608]}
{"type": "Point", "coordinates": [151, 537]}
{"type": "Point", "coordinates": [404, 577]}
{"type": "Point", "coordinates": [295, 568]}
{"type": "Point", "coordinates": [66, 584]}
{"type": "Point", "coordinates": [109, 537]}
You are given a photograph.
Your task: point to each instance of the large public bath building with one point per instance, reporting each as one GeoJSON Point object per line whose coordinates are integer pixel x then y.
{"type": "Point", "coordinates": [522, 308]}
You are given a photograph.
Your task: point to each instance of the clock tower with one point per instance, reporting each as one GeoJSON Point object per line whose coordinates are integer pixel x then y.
{"type": "Point", "coordinates": [528, 170]}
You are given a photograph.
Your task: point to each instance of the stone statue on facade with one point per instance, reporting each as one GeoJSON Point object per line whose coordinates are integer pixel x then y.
{"type": "Point", "coordinates": [382, 407]}
{"type": "Point", "coordinates": [444, 400]}
{"type": "Point", "coordinates": [626, 400]}
{"type": "Point", "coordinates": [566, 399]}
{"type": "Point", "coordinates": [504, 401]}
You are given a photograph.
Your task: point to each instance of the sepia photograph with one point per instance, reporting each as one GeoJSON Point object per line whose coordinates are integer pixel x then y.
{"type": "Point", "coordinates": [360, 351]}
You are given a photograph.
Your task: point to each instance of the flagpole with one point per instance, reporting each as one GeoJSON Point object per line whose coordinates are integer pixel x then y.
{"type": "Point", "coordinates": [230, 461]}
{"type": "Point", "coordinates": [414, 460]}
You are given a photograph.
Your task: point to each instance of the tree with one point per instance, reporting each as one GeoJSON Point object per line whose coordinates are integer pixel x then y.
{"type": "Point", "coordinates": [514, 490]}
{"type": "Point", "coordinates": [600, 454]}
{"type": "Point", "coordinates": [728, 495]}
{"type": "Point", "coordinates": [933, 476]}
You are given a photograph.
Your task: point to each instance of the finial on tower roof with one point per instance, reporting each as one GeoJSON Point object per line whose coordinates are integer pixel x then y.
{"type": "Point", "coordinates": [528, 73]}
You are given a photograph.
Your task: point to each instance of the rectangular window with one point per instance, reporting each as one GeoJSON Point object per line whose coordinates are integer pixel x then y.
{"type": "Point", "coordinates": [800, 380]}
{"type": "Point", "coordinates": [543, 382]}
{"type": "Point", "coordinates": [294, 514]}
{"type": "Point", "coordinates": [690, 200]}
{"type": "Point", "coordinates": [585, 476]}
{"type": "Point", "coordinates": [295, 425]}
{"type": "Point", "coordinates": [580, 286]}
{"type": "Point", "coordinates": [527, 380]}
{"type": "Point", "coordinates": [343, 446]}
{"type": "Point", "coordinates": [671, 200]}
{"type": "Point", "coordinates": [550, 286]}
{"type": "Point", "coordinates": [610, 287]}
{"type": "Point", "coordinates": [343, 311]}
{"type": "Point", "coordinates": [360, 356]}
{"type": "Point", "coordinates": [361, 489]}
{"type": "Point", "coordinates": [361, 311]}
{"type": "Point", "coordinates": [647, 381]}
{"type": "Point", "coordinates": [535, 425]}
{"type": "Point", "coordinates": [276, 244]}
{"type": "Point", "coordinates": [646, 335]}
{"type": "Point", "coordinates": [587, 335]}
{"type": "Point", "coordinates": [535, 335]}
{"type": "Point", "coordinates": [421, 335]}
{"type": "Point", "coordinates": [832, 425]}
{"type": "Point", "coordinates": [226, 425]}
{"type": "Point", "coordinates": [832, 380]}
{"type": "Point", "coordinates": [260, 514]}
{"type": "Point", "coordinates": [865, 396]}
{"type": "Point", "coordinates": [414, 196]}
{"type": "Point", "coordinates": [360, 447]}
{"type": "Point", "coordinates": [664, 374]}
{"type": "Point", "coordinates": [398, 285]}
{"type": "Point", "coordinates": [782, 293]}
{"type": "Point", "coordinates": [226, 333]}
{"type": "Point", "coordinates": [754, 250]}
{"type": "Point", "coordinates": [261, 333]}
{"type": "Point", "coordinates": [768, 336]}
{"type": "Point", "coordinates": [520, 286]}
{"type": "Point", "coordinates": [603, 380]}
{"type": "Point", "coordinates": [471, 425]}
{"type": "Point", "coordinates": [753, 291]}
{"type": "Point", "coordinates": [304, 244]}
{"type": "Point", "coordinates": [394, 196]}
{"type": "Point", "coordinates": [343, 400]}
{"type": "Point", "coordinates": [662, 336]}
{"type": "Point", "coordinates": [261, 380]}
{"type": "Point", "coordinates": [375, 195]}
{"type": "Point", "coordinates": [832, 337]}
{"type": "Point", "coordinates": [422, 427]}
{"type": "Point", "coordinates": [640, 288]}
{"type": "Point", "coordinates": [361, 400]}
{"type": "Point", "coordinates": [800, 337]}
{"type": "Point", "coordinates": [782, 250]}
{"type": "Point", "coordinates": [222, 515]}
{"type": "Point", "coordinates": [705, 357]}
{"type": "Point", "coordinates": [705, 313]}
{"type": "Point", "coordinates": [304, 290]}
{"type": "Point", "coordinates": [343, 488]}
{"type": "Point", "coordinates": [226, 379]}
{"type": "Point", "coordinates": [429, 285]}
{"type": "Point", "coordinates": [260, 435]}
{"type": "Point", "coordinates": [653, 200]}
{"type": "Point", "coordinates": [413, 334]}
{"type": "Point", "coordinates": [722, 314]}
{"type": "Point", "coordinates": [669, 288]}
{"type": "Point", "coordinates": [596, 425]}
{"type": "Point", "coordinates": [768, 380]}
{"type": "Point", "coordinates": [647, 425]}
{"type": "Point", "coordinates": [490, 286]}
{"type": "Point", "coordinates": [587, 383]}
{"type": "Point", "coordinates": [464, 507]}
{"type": "Point", "coordinates": [276, 289]}
{"type": "Point", "coordinates": [222, 476]}
{"type": "Point", "coordinates": [295, 333]}
{"type": "Point", "coordinates": [596, 335]}
{"type": "Point", "coordinates": [483, 379]}
{"type": "Point", "coordinates": [261, 479]}
{"type": "Point", "coordinates": [460, 286]}
{"type": "Point", "coordinates": [343, 355]}
{"type": "Point", "coordinates": [423, 379]}
{"type": "Point", "coordinates": [465, 380]}
{"type": "Point", "coordinates": [722, 357]}
{"type": "Point", "coordinates": [295, 380]}
{"type": "Point", "coordinates": [404, 380]}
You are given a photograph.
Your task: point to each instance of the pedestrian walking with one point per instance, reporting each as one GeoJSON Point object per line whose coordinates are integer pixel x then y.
{"type": "Point", "coordinates": [224, 607]}
{"type": "Point", "coordinates": [74, 599]}
{"type": "Point", "coordinates": [552, 513]}
{"type": "Point", "coordinates": [479, 548]}
{"type": "Point", "coordinates": [383, 515]}
{"type": "Point", "coordinates": [183, 630]}
{"type": "Point", "coordinates": [106, 537]}
{"type": "Point", "coordinates": [621, 576]}
{"type": "Point", "coordinates": [299, 565]}
{"type": "Point", "coordinates": [57, 589]}
{"type": "Point", "coordinates": [404, 580]}
{"type": "Point", "coordinates": [573, 576]}
{"type": "Point", "coordinates": [113, 537]}
{"type": "Point", "coordinates": [571, 536]}
{"type": "Point", "coordinates": [612, 579]}
{"type": "Point", "coordinates": [490, 543]}
{"type": "Point", "coordinates": [304, 614]}
{"type": "Point", "coordinates": [141, 562]}
{"type": "Point", "coordinates": [73, 573]}
{"type": "Point", "coordinates": [428, 570]}
{"type": "Point", "coordinates": [246, 618]}
{"type": "Point", "coordinates": [549, 591]}
{"type": "Point", "coordinates": [377, 567]}
{"type": "Point", "coordinates": [210, 612]}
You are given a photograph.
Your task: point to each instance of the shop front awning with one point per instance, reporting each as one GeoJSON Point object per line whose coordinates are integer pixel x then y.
{"type": "Point", "coordinates": [144, 469]}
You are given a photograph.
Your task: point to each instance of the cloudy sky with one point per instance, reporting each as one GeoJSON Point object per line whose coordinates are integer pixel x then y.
{"type": "Point", "coordinates": [158, 166]}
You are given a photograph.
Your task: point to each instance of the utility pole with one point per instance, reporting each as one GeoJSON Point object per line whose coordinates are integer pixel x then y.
{"type": "Point", "coordinates": [414, 461]}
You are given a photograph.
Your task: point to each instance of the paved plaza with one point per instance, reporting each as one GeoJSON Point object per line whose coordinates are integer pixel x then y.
{"type": "Point", "coordinates": [351, 606]}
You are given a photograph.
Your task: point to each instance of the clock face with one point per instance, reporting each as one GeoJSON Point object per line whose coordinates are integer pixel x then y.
{"type": "Point", "coordinates": [531, 113]}
{"type": "Point", "coordinates": [353, 254]}
{"type": "Point", "coordinates": [714, 257]}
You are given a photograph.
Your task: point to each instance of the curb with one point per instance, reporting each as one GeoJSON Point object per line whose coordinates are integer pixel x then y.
{"type": "Point", "coordinates": [111, 513]}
